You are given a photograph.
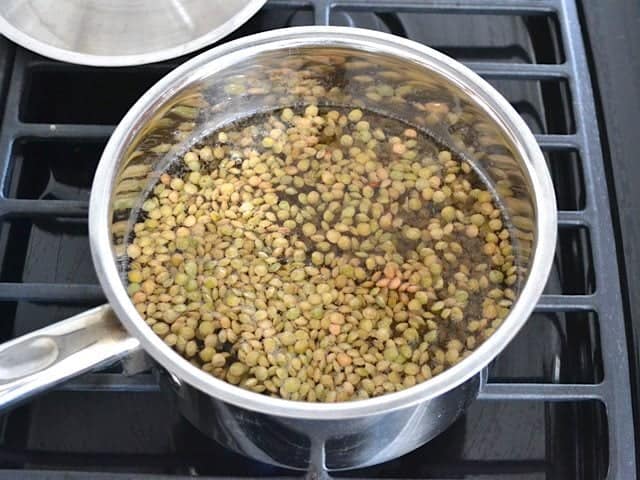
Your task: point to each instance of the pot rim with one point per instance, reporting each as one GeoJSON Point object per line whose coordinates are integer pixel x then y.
{"type": "Point", "coordinates": [231, 53]}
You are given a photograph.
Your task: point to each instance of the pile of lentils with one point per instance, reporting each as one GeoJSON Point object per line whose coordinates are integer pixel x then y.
{"type": "Point", "coordinates": [321, 255]}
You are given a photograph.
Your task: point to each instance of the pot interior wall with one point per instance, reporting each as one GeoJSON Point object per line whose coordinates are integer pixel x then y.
{"type": "Point", "coordinates": [227, 90]}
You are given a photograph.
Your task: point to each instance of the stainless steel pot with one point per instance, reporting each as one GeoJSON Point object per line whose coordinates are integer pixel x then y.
{"type": "Point", "coordinates": [263, 72]}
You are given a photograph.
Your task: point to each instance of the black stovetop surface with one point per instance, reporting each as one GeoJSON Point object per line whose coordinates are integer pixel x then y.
{"type": "Point", "coordinates": [556, 408]}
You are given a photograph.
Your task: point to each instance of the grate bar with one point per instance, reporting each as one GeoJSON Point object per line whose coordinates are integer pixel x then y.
{"type": "Point", "coordinates": [17, 208]}
{"type": "Point", "coordinates": [519, 71]}
{"type": "Point", "coordinates": [51, 292]}
{"type": "Point", "coordinates": [322, 12]}
{"type": "Point", "coordinates": [548, 392]}
{"type": "Point", "coordinates": [112, 382]}
{"type": "Point", "coordinates": [622, 461]}
{"type": "Point", "coordinates": [573, 218]}
{"type": "Point", "coordinates": [505, 7]}
{"type": "Point", "coordinates": [89, 475]}
{"type": "Point", "coordinates": [566, 303]}
{"type": "Point", "coordinates": [63, 130]}
{"type": "Point", "coordinates": [474, 468]}
{"type": "Point", "coordinates": [146, 383]}
{"type": "Point", "coordinates": [37, 62]}
{"type": "Point", "coordinates": [289, 4]}
{"type": "Point", "coordinates": [558, 142]}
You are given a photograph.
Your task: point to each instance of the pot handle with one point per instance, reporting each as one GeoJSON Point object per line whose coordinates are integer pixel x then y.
{"type": "Point", "coordinates": [39, 360]}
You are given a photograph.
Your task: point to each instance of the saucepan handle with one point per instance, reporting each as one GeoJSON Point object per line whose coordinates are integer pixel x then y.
{"type": "Point", "coordinates": [44, 358]}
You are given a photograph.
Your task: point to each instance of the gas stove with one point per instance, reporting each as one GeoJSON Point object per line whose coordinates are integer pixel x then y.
{"type": "Point", "coordinates": [558, 403]}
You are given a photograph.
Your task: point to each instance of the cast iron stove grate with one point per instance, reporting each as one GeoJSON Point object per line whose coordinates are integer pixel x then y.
{"type": "Point", "coordinates": [556, 404]}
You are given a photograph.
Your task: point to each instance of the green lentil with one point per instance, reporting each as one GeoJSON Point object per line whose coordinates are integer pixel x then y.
{"type": "Point", "coordinates": [322, 255]}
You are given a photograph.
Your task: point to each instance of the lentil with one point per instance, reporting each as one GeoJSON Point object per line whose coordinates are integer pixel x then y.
{"type": "Point", "coordinates": [337, 258]}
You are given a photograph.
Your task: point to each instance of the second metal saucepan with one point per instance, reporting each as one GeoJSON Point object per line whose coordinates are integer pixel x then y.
{"type": "Point", "coordinates": [114, 33]}
{"type": "Point", "coordinates": [260, 73]}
